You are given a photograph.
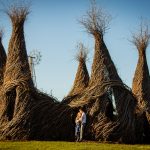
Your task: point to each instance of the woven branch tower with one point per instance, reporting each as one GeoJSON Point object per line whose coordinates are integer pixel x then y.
{"type": "Point", "coordinates": [82, 76]}
{"type": "Point", "coordinates": [28, 113]}
{"type": "Point", "coordinates": [17, 75]}
{"type": "Point", "coordinates": [105, 88]}
{"type": "Point", "coordinates": [103, 69]}
{"type": "Point", "coordinates": [141, 80]}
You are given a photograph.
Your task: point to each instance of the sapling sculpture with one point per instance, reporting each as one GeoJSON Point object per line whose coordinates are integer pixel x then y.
{"type": "Point", "coordinates": [28, 113]}
{"type": "Point", "coordinates": [105, 88]}
{"type": "Point", "coordinates": [82, 76]}
{"type": "Point", "coordinates": [17, 77]}
{"type": "Point", "coordinates": [96, 22]}
{"type": "Point", "coordinates": [141, 80]}
{"type": "Point", "coordinates": [17, 85]}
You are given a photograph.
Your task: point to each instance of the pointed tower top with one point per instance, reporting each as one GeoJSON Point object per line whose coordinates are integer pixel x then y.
{"type": "Point", "coordinates": [18, 12]}
{"type": "Point", "coordinates": [82, 76]}
{"type": "Point", "coordinates": [142, 38]}
{"type": "Point", "coordinates": [82, 53]}
{"type": "Point", "coordinates": [96, 20]}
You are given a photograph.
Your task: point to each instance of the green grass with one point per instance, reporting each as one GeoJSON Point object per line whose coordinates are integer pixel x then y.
{"type": "Point", "coordinates": [36, 145]}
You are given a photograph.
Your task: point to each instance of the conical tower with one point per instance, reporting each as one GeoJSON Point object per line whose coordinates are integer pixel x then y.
{"type": "Point", "coordinates": [82, 76]}
{"type": "Point", "coordinates": [28, 113]}
{"type": "Point", "coordinates": [106, 87]}
{"type": "Point", "coordinates": [96, 23]}
{"type": "Point", "coordinates": [141, 80]}
{"type": "Point", "coordinates": [17, 75]}
{"type": "Point", "coordinates": [103, 69]}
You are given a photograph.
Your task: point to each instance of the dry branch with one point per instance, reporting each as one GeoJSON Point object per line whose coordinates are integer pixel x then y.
{"type": "Point", "coordinates": [96, 20]}
{"type": "Point", "coordinates": [142, 38]}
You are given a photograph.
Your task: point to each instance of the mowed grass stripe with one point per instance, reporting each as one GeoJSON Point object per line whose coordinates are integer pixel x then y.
{"type": "Point", "coordinates": [38, 145]}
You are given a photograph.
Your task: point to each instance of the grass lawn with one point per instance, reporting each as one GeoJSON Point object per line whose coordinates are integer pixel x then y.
{"type": "Point", "coordinates": [38, 145]}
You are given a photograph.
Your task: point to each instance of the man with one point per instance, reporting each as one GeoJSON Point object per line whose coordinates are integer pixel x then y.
{"type": "Point", "coordinates": [83, 123]}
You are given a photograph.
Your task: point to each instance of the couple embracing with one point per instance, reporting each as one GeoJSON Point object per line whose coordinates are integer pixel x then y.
{"type": "Point", "coordinates": [80, 121]}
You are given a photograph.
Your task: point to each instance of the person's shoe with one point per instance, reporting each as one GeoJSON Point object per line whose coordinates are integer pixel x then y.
{"type": "Point", "coordinates": [80, 140]}
{"type": "Point", "coordinates": [77, 140]}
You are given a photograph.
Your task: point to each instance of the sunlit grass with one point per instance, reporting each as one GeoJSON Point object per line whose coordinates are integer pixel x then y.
{"type": "Point", "coordinates": [38, 145]}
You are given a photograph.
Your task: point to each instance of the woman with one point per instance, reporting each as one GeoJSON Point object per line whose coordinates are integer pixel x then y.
{"type": "Point", "coordinates": [77, 126]}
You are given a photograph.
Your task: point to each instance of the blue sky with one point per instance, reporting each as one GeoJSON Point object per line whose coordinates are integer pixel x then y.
{"type": "Point", "coordinates": [53, 29]}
